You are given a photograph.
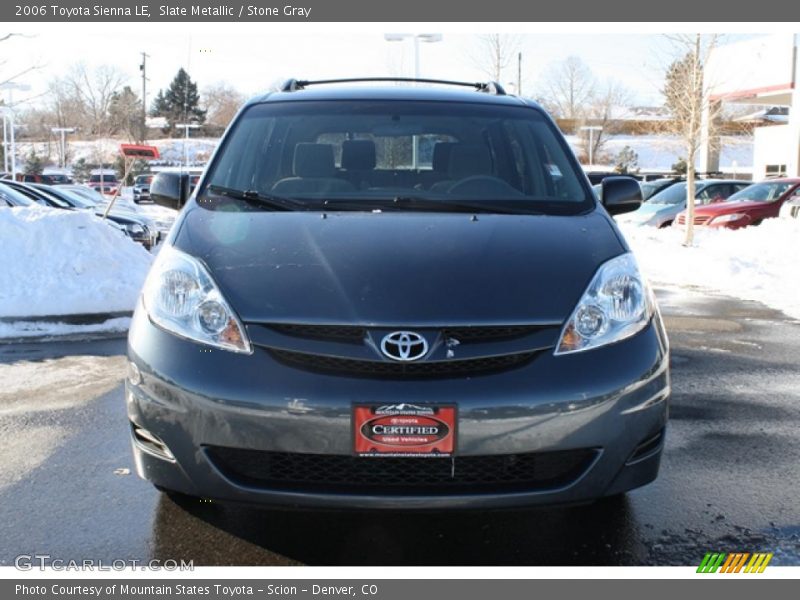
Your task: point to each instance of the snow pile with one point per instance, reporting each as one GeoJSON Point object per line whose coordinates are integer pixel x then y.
{"type": "Point", "coordinates": [57, 262]}
{"type": "Point", "coordinates": [756, 263]}
{"type": "Point", "coordinates": [42, 330]}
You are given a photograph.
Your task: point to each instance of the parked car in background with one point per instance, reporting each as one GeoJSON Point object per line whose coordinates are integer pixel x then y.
{"type": "Point", "coordinates": [661, 209]}
{"type": "Point", "coordinates": [749, 206]}
{"type": "Point", "coordinates": [654, 186]}
{"type": "Point", "coordinates": [11, 197]}
{"type": "Point", "coordinates": [140, 228]}
{"type": "Point", "coordinates": [30, 178]}
{"type": "Point", "coordinates": [141, 188]}
{"type": "Point", "coordinates": [121, 202]}
{"type": "Point", "coordinates": [59, 178]}
{"type": "Point", "coordinates": [105, 183]}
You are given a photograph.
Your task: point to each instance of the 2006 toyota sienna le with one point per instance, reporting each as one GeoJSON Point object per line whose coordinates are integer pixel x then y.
{"type": "Point", "coordinates": [396, 296]}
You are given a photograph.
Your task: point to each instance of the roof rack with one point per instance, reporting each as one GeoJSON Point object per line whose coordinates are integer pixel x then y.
{"type": "Point", "coordinates": [491, 87]}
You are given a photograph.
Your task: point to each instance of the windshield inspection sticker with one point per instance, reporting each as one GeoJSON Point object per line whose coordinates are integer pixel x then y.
{"type": "Point", "coordinates": [404, 430]}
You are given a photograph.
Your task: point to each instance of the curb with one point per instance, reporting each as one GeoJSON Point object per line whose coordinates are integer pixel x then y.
{"type": "Point", "coordinates": [85, 319]}
{"type": "Point", "coordinates": [77, 319]}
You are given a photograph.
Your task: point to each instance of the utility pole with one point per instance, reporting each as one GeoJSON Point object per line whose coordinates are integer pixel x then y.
{"type": "Point", "coordinates": [519, 74]}
{"type": "Point", "coordinates": [10, 86]}
{"type": "Point", "coordinates": [143, 69]}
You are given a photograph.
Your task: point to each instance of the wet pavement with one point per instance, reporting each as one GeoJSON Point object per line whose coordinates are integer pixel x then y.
{"type": "Point", "coordinates": [728, 482]}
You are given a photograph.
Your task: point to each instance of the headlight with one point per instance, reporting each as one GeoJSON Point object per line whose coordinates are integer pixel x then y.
{"type": "Point", "coordinates": [180, 297]}
{"type": "Point", "coordinates": [617, 304]}
{"type": "Point", "coordinates": [728, 218]}
{"type": "Point", "coordinates": [134, 229]}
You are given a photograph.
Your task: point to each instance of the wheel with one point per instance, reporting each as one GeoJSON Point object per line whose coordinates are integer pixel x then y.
{"type": "Point", "coordinates": [667, 224]}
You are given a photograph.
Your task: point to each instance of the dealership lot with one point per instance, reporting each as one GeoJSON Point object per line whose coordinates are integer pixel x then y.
{"type": "Point", "coordinates": [728, 478]}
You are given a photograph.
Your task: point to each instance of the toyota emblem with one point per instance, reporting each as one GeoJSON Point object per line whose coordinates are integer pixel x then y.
{"type": "Point", "coordinates": [404, 346]}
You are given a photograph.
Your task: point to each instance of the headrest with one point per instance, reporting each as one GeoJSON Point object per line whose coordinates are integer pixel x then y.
{"type": "Point", "coordinates": [441, 156]}
{"type": "Point", "coordinates": [314, 160]}
{"type": "Point", "coordinates": [467, 160]}
{"type": "Point", "coordinates": [358, 155]}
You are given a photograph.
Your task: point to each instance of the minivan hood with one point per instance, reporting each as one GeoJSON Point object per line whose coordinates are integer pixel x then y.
{"type": "Point", "coordinates": [395, 268]}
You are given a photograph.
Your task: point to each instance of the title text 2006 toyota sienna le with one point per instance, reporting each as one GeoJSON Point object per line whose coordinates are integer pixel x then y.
{"type": "Point", "coordinates": [396, 296]}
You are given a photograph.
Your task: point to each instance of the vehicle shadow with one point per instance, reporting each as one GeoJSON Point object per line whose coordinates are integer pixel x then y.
{"type": "Point", "coordinates": [603, 533]}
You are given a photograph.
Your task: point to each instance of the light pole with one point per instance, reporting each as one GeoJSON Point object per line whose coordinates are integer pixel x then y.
{"type": "Point", "coordinates": [428, 38]}
{"type": "Point", "coordinates": [63, 131]}
{"type": "Point", "coordinates": [186, 127]}
{"type": "Point", "coordinates": [8, 123]}
{"type": "Point", "coordinates": [591, 129]}
{"type": "Point", "coordinates": [10, 86]}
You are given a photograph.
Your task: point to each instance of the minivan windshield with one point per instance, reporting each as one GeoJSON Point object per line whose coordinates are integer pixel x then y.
{"type": "Point", "coordinates": [395, 155]}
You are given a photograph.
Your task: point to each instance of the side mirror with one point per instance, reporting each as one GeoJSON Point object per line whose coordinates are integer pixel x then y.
{"type": "Point", "coordinates": [170, 189]}
{"type": "Point", "coordinates": [621, 194]}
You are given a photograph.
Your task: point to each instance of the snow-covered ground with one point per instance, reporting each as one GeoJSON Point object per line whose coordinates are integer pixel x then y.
{"type": "Point", "coordinates": [660, 152]}
{"type": "Point", "coordinates": [58, 262]}
{"type": "Point", "coordinates": [756, 263]}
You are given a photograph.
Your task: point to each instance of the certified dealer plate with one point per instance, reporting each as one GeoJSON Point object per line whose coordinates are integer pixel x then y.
{"type": "Point", "coordinates": [404, 430]}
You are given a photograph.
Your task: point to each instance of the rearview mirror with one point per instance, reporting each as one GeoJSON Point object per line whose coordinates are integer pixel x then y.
{"type": "Point", "coordinates": [170, 189]}
{"type": "Point", "coordinates": [621, 194]}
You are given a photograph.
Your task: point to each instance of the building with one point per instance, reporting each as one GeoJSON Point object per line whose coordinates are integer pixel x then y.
{"type": "Point", "coordinates": [762, 71]}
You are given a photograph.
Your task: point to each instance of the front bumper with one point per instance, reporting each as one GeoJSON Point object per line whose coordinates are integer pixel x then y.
{"type": "Point", "coordinates": [611, 400]}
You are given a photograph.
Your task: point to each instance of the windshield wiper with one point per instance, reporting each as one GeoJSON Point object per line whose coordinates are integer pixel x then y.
{"type": "Point", "coordinates": [255, 197]}
{"type": "Point", "coordinates": [468, 206]}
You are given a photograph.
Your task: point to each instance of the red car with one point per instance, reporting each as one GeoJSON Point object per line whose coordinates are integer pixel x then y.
{"type": "Point", "coordinates": [749, 206]}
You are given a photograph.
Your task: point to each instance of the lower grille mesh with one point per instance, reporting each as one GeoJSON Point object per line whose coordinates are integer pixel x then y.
{"type": "Point", "coordinates": [401, 476]}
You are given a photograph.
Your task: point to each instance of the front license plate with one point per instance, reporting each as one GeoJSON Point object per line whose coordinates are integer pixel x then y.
{"type": "Point", "coordinates": [404, 430]}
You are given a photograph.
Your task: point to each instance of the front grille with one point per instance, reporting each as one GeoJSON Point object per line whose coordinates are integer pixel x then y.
{"type": "Point", "coordinates": [467, 335]}
{"type": "Point", "coordinates": [336, 333]}
{"type": "Point", "coordinates": [356, 334]}
{"type": "Point", "coordinates": [401, 476]}
{"type": "Point", "coordinates": [699, 220]}
{"type": "Point", "coordinates": [333, 365]}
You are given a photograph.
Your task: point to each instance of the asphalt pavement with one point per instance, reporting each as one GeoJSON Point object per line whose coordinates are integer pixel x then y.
{"type": "Point", "coordinates": [728, 479]}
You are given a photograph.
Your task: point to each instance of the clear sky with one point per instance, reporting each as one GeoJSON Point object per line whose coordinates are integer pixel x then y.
{"type": "Point", "coordinates": [251, 58]}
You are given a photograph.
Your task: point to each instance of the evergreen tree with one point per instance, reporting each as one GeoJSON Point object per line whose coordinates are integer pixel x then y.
{"type": "Point", "coordinates": [180, 103]}
{"type": "Point", "coordinates": [81, 170]}
{"type": "Point", "coordinates": [34, 165]}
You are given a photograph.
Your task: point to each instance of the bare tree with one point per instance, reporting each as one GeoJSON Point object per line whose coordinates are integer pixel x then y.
{"type": "Point", "coordinates": [221, 102]}
{"type": "Point", "coordinates": [94, 90]}
{"type": "Point", "coordinates": [568, 88]}
{"type": "Point", "coordinates": [602, 109]}
{"type": "Point", "coordinates": [496, 52]}
{"type": "Point", "coordinates": [688, 98]}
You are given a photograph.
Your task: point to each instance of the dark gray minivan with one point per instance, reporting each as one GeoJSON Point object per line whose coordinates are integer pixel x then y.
{"type": "Point", "coordinates": [396, 296]}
